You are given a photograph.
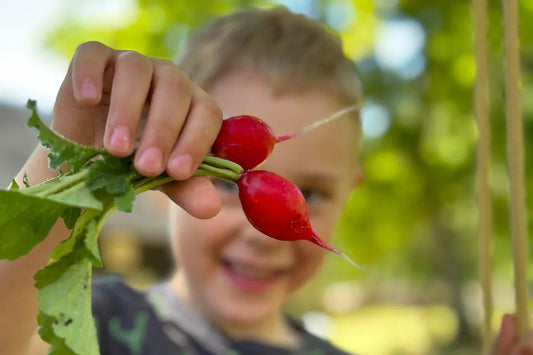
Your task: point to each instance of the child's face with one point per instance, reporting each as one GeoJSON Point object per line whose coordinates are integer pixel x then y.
{"type": "Point", "coordinates": [232, 272]}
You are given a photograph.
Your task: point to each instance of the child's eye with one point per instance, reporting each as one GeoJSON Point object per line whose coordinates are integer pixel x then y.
{"type": "Point", "coordinates": [313, 195]}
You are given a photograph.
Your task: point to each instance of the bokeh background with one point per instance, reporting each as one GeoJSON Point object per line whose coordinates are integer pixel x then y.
{"type": "Point", "coordinates": [412, 223]}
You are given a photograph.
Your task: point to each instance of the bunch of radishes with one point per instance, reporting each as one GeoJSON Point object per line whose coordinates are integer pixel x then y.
{"type": "Point", "coordinates": [273, 205]}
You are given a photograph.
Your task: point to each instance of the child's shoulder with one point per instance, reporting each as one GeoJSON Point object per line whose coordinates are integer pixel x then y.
{"type": "Point", "coordinates": [124, 316]}
{"type": "Point", "coordinates": [312, 344]}
{"type": "Point", "coordinates": [126, 323]}
{"type": "Point", "coordinates": [112, 297]}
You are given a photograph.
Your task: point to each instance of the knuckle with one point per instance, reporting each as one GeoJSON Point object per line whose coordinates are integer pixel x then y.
{"type": "Point", "coordinates": [213, 111]}
{"type": "Point", "coordinates": [169, 75]}
{"type": "Point", "coordinates": [90, 45]}
{"type": "Point", "coordinates": [163, 133]}
{"type": "Point", "coordinates": [168, 128]}
{"type": "Point", "coordinates": [179, 83]}
{"type": "Point", "coordinates": [165, 63]}
{"type": "Point", "coordinates": [133, 59]}
{"type": "Point", "coordinates": [209, 108]}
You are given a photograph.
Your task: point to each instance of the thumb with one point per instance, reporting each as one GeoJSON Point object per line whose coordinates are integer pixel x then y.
{"type": "Point", "coordinates": [196, 195]}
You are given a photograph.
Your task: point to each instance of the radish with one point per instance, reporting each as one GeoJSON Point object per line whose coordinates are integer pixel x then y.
{"type": "Point", "coordinates": [248, 140]}
{"type": "Point", "coordinates": [276, 207]}
{"type": "Point", "coordinates": [245, 140]}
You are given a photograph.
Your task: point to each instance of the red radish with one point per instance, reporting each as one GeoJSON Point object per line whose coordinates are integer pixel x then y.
{"type": "Point", "coordinates": [248, 140]}
{"type": "Point", "coordinates": [276, 207]}
{"type": "Point", "coordinates": [245, 140]}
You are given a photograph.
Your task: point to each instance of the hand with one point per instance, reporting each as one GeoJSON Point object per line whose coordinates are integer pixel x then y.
{"type": "Point", "coordinates": [508, 343]}
{"type": "Point", "coordinates": [102, 99]}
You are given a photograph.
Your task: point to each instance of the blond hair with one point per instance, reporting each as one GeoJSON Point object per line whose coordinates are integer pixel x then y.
{"type": "Point", "coordinates": [291, 51]}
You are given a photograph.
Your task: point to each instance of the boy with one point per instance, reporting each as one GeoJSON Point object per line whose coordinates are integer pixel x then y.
{"type": "Point", "coordinates": [230, 284]}
{"type": "Point", "coordinates": [231, 281]}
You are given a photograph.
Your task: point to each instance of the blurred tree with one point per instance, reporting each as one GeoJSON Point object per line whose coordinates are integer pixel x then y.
{"type": "Point", "coordinates": [414, 217]}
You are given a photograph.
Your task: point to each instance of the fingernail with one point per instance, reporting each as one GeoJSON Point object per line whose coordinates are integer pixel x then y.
{"type": "Point", "coordinates": [120, 140]}
{"type": "Point", "coordinates": [151, 161]}
{"type": "Point", "coordinates": [88, 90]}
{"type": "Point", "coordinates": [180, 166]}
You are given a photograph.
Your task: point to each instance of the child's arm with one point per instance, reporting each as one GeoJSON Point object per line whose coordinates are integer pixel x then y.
{"type": "Point", "coordinates": [100, 103]}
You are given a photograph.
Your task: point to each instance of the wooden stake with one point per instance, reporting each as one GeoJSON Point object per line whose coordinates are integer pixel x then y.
{"type": "Point", "coordinates": [481, 102]}
{"type": "Point", "coordinates": [515, 158]}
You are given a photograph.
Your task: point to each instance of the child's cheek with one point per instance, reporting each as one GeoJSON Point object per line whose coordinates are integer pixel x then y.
{"type": "Point", "coordinates": [309, 259]}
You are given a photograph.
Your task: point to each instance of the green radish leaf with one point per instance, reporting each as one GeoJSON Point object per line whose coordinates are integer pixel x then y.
{"type": "Point", "coordinates": [124, 202]}
{"type": "Point", "coordinates": [62, 150]}
{"type": "Point", "coordinates": [70, 216]}
{"type": "Point", "coordinates": [67, 189]}
{"type": "Point", "coordinates": [63, 248]}
{"type": "Point", "coordinates": [64, 291]}
{"type": "Point", "coordinates": [86, 228]}
{"type": "Point", "coordinates": [13, 185]}
{"type": "Point", "coordinates": [46, 331]}
{"type": "Point", "coordinates": [111, 174]}
{"type": "Point", "coordinates": [17, 234]}
{"type": "Point", "coordinates": [64, 296]}
{"type": "Point", "coordinates": [91, 243]}
{"type": "Point", "coordinates": [78, 196]}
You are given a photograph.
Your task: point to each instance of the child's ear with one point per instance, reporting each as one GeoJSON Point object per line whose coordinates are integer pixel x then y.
{"type": "Point", "coordinates": [359, 176]}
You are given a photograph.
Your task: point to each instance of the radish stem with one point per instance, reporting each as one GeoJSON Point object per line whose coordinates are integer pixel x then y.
{"type": "Point", "coordinates": [348, 259]}
{"type": "Point", "coordinates": [323, 121]}
{"type": "Point", "coordinates": [322, 244]}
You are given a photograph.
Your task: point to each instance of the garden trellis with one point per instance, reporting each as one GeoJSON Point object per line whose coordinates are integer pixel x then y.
{"type": "Point", "coordinates": [515, 161]}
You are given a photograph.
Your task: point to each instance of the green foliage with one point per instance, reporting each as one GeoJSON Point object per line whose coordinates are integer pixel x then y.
{"type": "Point", "coordinates": [153, 27]}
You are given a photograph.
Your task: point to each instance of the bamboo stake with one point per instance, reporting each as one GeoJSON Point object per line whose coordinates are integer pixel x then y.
{"type": "Point", "coordinates": [481, 102]}
{"type": "Point", "coordinates": [515, 157]}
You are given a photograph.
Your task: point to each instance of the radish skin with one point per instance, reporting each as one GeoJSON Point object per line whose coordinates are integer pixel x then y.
{"type": "Point", "coordinates": [277, 208]}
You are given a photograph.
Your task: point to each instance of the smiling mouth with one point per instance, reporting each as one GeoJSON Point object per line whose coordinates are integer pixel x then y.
{"type": "Point", "coordinates": [251, 278]}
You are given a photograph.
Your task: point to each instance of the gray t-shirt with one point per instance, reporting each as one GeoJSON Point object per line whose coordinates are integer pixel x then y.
{"type": "Point", "coordinates": [156, 322]}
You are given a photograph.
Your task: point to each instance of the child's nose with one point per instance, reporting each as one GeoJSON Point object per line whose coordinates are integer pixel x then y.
{"type": "Point", "coordinates": [258, 240]}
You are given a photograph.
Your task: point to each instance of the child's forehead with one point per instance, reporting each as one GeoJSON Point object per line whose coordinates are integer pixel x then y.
{"type": "Point", "coordinates": [287, 110]}
{"type": "Point", "coordinates": [289, 80]}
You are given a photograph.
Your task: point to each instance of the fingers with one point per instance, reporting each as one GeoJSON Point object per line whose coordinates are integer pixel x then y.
{"type": "Point", "coordinates": [169, 107]}
{"type": "Point", "coordinates": [196, 195]}
{"type": "Point", "coordinates": [197, 136]}
{"type": "Point", "coordinates": [182, 123]}
{"type": "Point", "coordinates": [88, 67]}
{"type": "Point", "coordinates": [129, 91]}
{"type": "Point", "coordinates": [108, 91]}
{"type": "Point", "coordinates": [76, 114]}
